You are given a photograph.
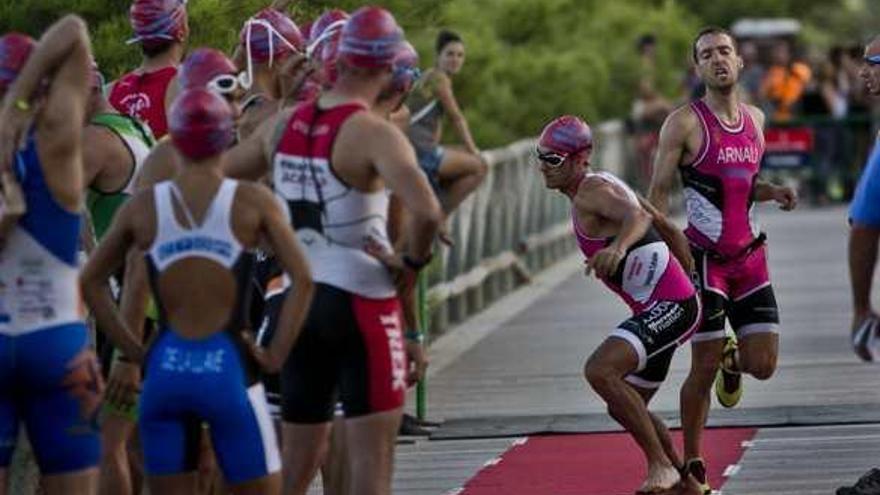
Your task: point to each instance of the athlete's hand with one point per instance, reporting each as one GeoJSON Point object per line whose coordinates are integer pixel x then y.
{"type": "Point", "coordinates": [123, 385]}
{"type": "Point", "coordinates": [604, 262]}
{"type": "Point", "coordinates": [84, 383]}
{"type": "Point", "coordinates": [268, 360]}
{"type": "Point", "coordinates": [418, 362]}
{"type": "Point", "coordinates": [786, 197]}
{"type": "Point", "coordinates": [404, 277]}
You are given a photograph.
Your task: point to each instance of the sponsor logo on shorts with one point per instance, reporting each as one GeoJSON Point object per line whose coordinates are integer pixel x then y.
{"type": "Point", "coordinates": [391, 324]}
{"type": "Point", "coordinates": [663, 315]}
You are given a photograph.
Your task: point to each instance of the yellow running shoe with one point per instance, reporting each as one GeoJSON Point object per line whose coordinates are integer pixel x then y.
{"type": "Point", "coordinates": [696, 468]}
{"type": "Point", "coordinates": [728, 383]}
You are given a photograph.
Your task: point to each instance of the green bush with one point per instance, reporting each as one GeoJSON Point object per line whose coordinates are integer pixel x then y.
{"type": "Point", "coordinates": [528, 60]}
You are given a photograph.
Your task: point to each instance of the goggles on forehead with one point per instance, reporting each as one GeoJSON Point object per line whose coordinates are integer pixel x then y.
{"type": "Point", "coordinates": [328, 31]}
{"type": "Point", "coordinates": [873, 60]}
{"type": "Point", "coordinates": [225, 84]}
{"type": "Point", "coordinates": [551, 158]}
{"type": "Point", "coordinates": [247, 79]}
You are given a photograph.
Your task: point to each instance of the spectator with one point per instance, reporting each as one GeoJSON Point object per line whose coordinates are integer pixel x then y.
{"type": "Point", "coordinates": [784, 83]}
{"type": "Point", "coordinates": [649, 108]}
{"type": "Point", "coordinates": [752, 73]}
{"type": "Point", "coordinates": [826, 101]}
{"type": "Point", "coordinates": [454, 173]}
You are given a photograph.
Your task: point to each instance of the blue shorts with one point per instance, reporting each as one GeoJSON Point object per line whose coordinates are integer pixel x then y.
{"type": "Point", "coordinates": [865, 207]}
{"type": "Point", "coordinates": [429, 162]}
{"type": "Point", "coordinates": [193, 382]}
{"type": "Point", "coordinates": [50, 381]}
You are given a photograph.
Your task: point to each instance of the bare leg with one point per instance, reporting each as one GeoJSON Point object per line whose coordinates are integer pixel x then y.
{"type": "Point", "coordinates": [83, 482]}
{"type": "Point", "coordinates": [662, 431]}
{"type": "Point", "coordinates": [4, 481]}
{"type": "Point", "coordinates": [334, 470]}
{"type": "Point", "coordinates": [371, 440]}
{"type": "Point", "coordinates": [303, 451]}
{"type": "Point", "coordinates": [605, 369]}
{"type": "Point", "coordinates": [695, 393]}
{"type": "Point", "coordinates": [758, 353]}
{"type": "Point", "coordinates": [136, 464]}
{"type": "Point", "coordinates": [460, 173]}
{"type": "Point", "coordinates": [115, 477]}
{"type": "Point", "coordinates": [175, 484]}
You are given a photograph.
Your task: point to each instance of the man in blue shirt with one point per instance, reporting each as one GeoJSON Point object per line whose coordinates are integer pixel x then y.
{"type": "Point", "coordinates": [864, 217]}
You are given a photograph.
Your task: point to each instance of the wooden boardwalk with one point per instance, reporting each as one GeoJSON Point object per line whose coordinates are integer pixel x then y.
{"type": "Point", "coordinates": [525, 377]}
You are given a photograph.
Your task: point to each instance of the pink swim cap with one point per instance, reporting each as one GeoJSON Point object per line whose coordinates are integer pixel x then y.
{"type": "Point", "coordinates": [157, 21]}
{"type": "Point", "coordinates": [566, 135]}
{"type": "Point", "coordinates": [272, 36]}
{"type": "Point", "coordinates": [15, 48]}
{"type": "Point", "coordinates": [201, 124]}
{"type": "Point", "coordinates": [370, 38]}
{"type": "Point", "coordinates": [202, 66]}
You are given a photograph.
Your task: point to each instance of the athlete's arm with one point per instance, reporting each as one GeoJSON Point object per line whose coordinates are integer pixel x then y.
{"type": "Point", "coordinates": [444, 94]}
{"type": "Point", "coordinates": [249, 159]}
{"type": "Point", "coordinates": [672, 236]}
{"type": "Point", "coordinates": [784, 195]}
{"type": "Point", "coordinates": [64, 53]}
{"type": "Point", "coordinates": [670, 150]}
{"type": "Point", "coordinates": [160, 165]}
{"type": "Point", "coordinates": [597, 197]}
{"type": "Point", "coordinates": [276, 230]}
{"type": "Point", "coordinates": [395, 161]}
{"type": "Point", "coordinates": [104, 261]}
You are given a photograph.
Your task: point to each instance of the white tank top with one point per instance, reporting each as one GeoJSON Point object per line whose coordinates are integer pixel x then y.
{"type": "Point", "coordinates": [335, 243]}
{"type": "Point", "coordinates": [213, 239]}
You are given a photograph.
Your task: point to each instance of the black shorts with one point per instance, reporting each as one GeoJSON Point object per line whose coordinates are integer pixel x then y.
{"type": "Point", "coordinates": [350, 348]}
{"type": "Point", "coordinates": [738, 289]}
{"type": "Point", "coordinates": [654, 334]}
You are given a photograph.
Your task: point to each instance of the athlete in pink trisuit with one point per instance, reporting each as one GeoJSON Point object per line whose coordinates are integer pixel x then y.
{"type": "Point", "coordinates": [631, 248]}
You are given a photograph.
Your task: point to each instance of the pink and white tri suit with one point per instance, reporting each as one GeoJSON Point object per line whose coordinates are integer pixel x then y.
{"type": "Point", "coordinates": [726, 241]}
{"type": "Point", "coordinates": [665, 305]}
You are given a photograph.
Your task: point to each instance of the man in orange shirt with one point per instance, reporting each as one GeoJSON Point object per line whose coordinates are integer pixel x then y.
{"type": "Point", "coordinates": [784, 83]}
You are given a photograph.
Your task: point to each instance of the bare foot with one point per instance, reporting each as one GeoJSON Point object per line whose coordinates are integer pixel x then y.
{"type": "Point", "coordinates": [660, 480]}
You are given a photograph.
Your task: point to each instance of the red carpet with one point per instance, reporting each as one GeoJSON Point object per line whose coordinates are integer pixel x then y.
{"type": "Point", "coordinates": [593, 464]}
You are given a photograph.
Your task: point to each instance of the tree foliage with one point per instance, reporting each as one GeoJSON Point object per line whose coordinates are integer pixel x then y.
{"type": "Point", "coordinates": [527, 60]}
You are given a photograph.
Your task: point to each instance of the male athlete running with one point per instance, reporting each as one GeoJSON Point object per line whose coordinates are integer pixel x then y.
{"type": "Point", "coordinates": [716, 144]}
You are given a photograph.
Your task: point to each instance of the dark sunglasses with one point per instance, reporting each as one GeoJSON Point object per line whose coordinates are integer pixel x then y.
{"type": "Point", "coordinates": [872, 60]}
{"type": "Point", "coordinates": [551, 158]}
